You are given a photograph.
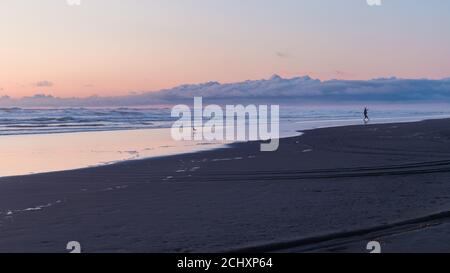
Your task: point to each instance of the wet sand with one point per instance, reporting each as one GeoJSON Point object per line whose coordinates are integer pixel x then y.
{"type": "Point", "coordinates": [329, 190]}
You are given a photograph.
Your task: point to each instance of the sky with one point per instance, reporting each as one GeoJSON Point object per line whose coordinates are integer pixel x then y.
{"type": "Point", "coordinates": [120, 47]}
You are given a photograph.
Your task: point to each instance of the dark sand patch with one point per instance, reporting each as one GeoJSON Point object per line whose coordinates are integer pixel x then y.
{"type": "Point", "coordinates": [352, 178]}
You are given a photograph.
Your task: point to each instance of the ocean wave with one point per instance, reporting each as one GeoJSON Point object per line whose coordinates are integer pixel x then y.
{"type": "Point", "coordinates": [60, 120]}
{"type": "Point", "coordinates": [10, 108]}
{"type": "Point", "coordinates": [17, 121]}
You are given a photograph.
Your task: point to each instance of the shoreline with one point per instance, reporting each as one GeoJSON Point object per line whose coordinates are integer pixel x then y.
{"type": "Point", "coordinates": [218, 145]}
{"type": "Point", "coordinates": [326, 181]}
{"type": "Point", "coordinates": [25, 153]}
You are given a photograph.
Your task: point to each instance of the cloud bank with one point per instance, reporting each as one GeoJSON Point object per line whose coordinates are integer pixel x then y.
{"type": "Point", "coordinates": [274, 89]}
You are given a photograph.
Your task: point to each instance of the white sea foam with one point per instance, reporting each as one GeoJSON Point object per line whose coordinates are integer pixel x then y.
{"type": "Point", "coordinates": [10, 213]}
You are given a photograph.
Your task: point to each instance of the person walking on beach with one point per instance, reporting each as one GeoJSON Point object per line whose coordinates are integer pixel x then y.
{"type": "Point", "coordinates": [366, 115]}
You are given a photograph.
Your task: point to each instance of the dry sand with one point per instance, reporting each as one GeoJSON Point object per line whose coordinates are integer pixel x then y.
{"type": "Point", "coordinates": [330, 190]}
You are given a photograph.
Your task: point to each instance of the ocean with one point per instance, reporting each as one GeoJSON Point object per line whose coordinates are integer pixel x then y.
{"type": "Point", "coordinates": [52, 139]}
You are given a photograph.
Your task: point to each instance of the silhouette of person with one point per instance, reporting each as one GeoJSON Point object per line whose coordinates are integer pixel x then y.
{"type": "Point", "coordinates": [366, 114]}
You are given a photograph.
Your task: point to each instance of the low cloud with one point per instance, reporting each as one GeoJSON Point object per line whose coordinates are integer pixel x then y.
{"type": "Point", "coordinates": [282, 54]}
{"type": "Point", "coordinates": [343, 74]}
{"type": "Point", "coordinates": [274, 89]}
{"type": "Point", "coordinates": [43, 84]}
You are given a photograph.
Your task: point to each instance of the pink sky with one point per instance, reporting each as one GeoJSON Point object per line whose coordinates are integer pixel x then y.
{"type": "Point", "coordinates": [116, 47]}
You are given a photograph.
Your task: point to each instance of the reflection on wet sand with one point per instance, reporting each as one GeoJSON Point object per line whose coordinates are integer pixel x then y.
{"type": "Point", "coordinates": [27, 154]}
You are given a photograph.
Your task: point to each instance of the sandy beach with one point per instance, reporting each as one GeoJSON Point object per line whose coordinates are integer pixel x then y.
{"type": "Point", "coordinates": [329, 190]}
